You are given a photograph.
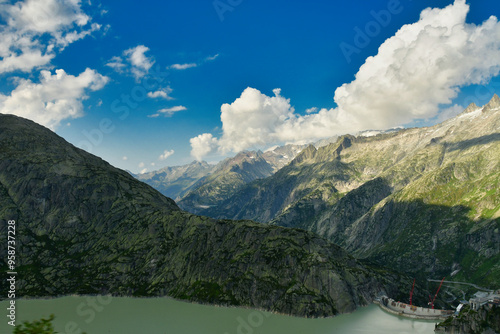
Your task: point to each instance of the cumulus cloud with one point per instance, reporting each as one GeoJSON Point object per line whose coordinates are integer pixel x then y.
{"type": "Point", "coordinates": [416, 73]}
{"type": "Point", "coordinates": [202, 145]}
{"type": "Point", "coordinates": [166, 154]}
{"type": "Point", "coordinates": [139, 61]}
{"type": "Point", "coordinates": [57, 97]}
{"type": "Point", "coordinates": [422, 67]}
{"type": "Point", "coordinates": [252, 120]}
{"type": "Point", "coordinates": [133, 60]}
{"type": "Point", "coordinates": [161, 93]}
{"type": "Point", "coordinates": [60, 23]}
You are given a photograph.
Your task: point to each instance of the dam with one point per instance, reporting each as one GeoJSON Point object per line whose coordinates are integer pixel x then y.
{"type": "Point", "coordinates": [412, 311]}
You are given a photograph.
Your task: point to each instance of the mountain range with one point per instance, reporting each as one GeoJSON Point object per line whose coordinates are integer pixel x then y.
{"type": "Point", "coordinates": [423, 200]}
{"type": "Point", "coordinates": [199, 185]}
{"type": "Point", "coordinates": [86, 227]}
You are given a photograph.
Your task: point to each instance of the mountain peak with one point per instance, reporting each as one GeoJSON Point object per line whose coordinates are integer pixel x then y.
{"type": "Point", "coordinates": [308, 153]}
{"type": "Point", "coordinates": [472, 107]}
{"type": "Point", "coordinates": [493, 104]}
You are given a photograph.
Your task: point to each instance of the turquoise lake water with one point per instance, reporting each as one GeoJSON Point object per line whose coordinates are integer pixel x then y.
{"type": "Point", "coordinates": [121, 315]}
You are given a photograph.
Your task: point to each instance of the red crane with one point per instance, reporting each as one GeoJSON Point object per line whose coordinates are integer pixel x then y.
{"type": "Point", "coordinates": [432, 301]}
{"type": "Point", "coordinates": [411, 292]}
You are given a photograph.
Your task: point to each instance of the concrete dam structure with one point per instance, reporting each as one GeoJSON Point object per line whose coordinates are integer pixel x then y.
{"type": "Point", "coordinates": [412, 311]}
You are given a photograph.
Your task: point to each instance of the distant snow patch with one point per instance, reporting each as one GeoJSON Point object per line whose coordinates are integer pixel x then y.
{"type": "Point", "coordinates": [471, 115]}
{"type": "Point", "coordinates": [272, 148]}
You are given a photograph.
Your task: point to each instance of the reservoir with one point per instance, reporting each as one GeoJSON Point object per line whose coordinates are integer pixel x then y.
{"type": "Point", "coordinates": [123, 315]}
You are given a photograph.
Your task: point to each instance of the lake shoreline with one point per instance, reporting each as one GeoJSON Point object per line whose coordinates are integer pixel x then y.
{"type": "Point", "coordinates": [152, 315]}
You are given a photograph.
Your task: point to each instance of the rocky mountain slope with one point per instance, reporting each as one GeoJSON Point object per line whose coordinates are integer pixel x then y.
{"type": "Point", "coordinates": [85, 227]}
{"type": "Point", "coordinates": [232, 174]}
{"type": "Point", "coordinates": [175, 182]}
{"type": "Point", "coordinates": [281, 156]}
{"type": "Point", "coordinates": [199, 185]}
{"type": "Point", "coordinates": [423, 200]}
{"type": "Point", "coordinates": [486, 320]}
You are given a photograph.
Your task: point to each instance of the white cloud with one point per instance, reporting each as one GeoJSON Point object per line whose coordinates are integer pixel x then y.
{"type": "Point", "coordinates": [124, 158]}
{"type": "Point", "coordinates": [182, 66]}
{"type": "Point", "coordinates": [415, 74]}
{"type": "Point", "coordinates": [311, 110]}
{"type": "Point", "coordinates": [141, 164]}
{"type": "Point", "coordinates": [161, 93]}
{"type": "Point", "coordinates": [117, 64]}
{"type": "Point", "coordinates": [166, 154]}
{"type": "Point", "coordinates": [422, 67]}
{"type": "Point", "coordinates": [449, 113]}
{"type": "Point", "coordinates": [252, 119]}
{"type": "Point", "coordinates": [139, 61]}
{"type": "Point", "coordinates": [191, 65]}
{"type": "Point", "coordinates": [57, 97]}
{"type": "Point", "coordinates": [210, 58]}
{"type": "Point", "coordinates": [24, 62]}
{"type": "Point", "coordinates": [45, 16]}
{"type": "Point", "coordinates": [144, 170]}
{"type": "Point", "coordinates": [133, 60]}
{"type": "Point", "coordinates": [58, 22]}
{"type": "Point", "coordinates": [202, 145]}
{"type": "Point", "coordinates": [169, 112]}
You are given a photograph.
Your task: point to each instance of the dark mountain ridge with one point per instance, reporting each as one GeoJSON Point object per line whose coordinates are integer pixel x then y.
{"type": "Point", "coordinates": [85, 227]}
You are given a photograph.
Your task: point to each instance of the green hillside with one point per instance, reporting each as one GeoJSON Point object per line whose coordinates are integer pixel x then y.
{"type": "Point", "coordinates": [85, 227]}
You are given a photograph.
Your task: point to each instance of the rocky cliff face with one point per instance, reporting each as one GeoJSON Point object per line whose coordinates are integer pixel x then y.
{"type": "Point", "coordinates": [424, 200]}
{"type": "Point", "coordinates": [486, 320]}
{"type": "Point", "coordinates": [85, 227]}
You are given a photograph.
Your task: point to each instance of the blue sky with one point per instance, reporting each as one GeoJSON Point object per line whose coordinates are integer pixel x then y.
{"type": "Point", "coordinates": [85, 69]}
